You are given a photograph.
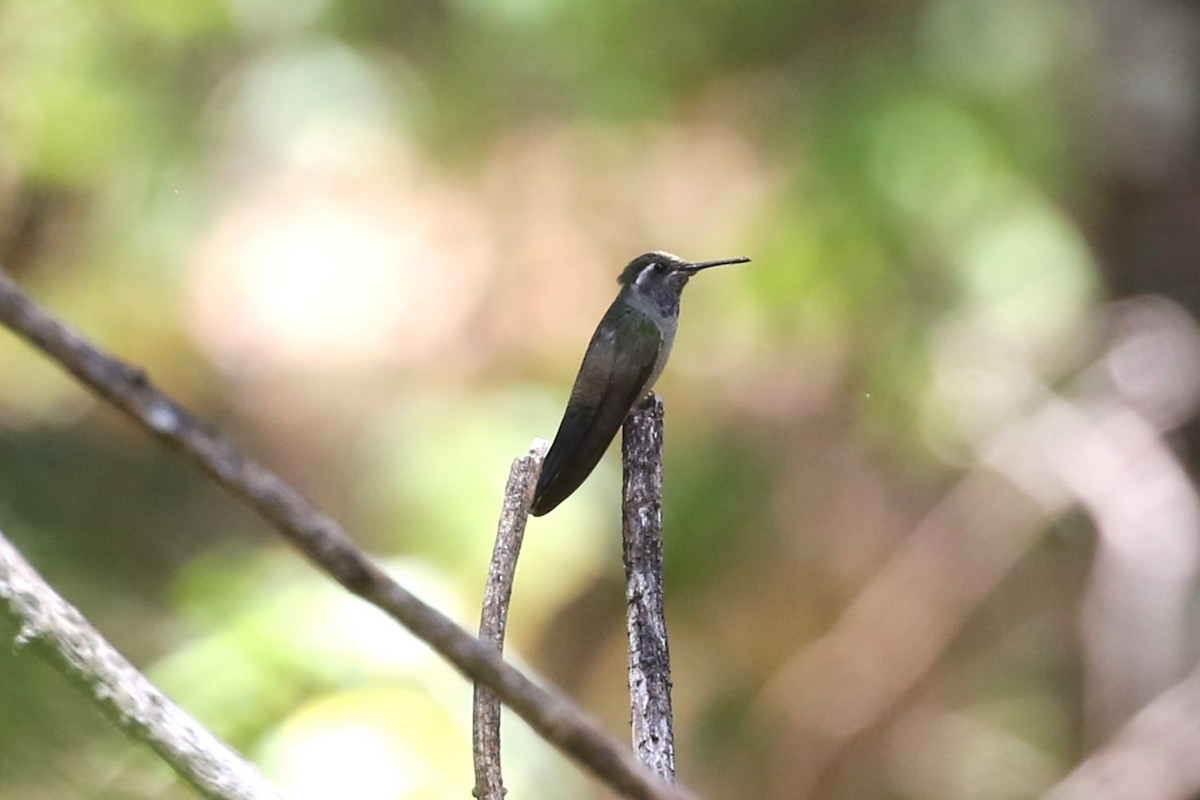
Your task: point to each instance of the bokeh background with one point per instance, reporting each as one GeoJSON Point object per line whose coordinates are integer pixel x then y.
{"type": "Point", "coordinates": [930, 526]}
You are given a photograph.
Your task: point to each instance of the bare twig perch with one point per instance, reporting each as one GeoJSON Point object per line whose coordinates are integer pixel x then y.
{"type": "Point", "coordinates": [53, 628]}
{"type": "Point", "coordinates": [326, 544]}
{"type": "Point", "coordinates": [641, 536]}
{"type": "Point", "coordinates": [518, 494]}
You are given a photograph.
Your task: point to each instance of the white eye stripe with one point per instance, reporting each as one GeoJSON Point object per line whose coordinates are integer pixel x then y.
{"type": "Point", "coordinates": [644, 275]}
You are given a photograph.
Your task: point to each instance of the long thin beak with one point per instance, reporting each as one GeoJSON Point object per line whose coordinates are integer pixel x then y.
{"type": "Point", "coordinates": [699, 265]}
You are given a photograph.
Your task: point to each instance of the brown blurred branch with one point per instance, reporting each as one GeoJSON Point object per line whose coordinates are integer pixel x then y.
{"type": "Point", "coordinates": [518, 494]}
{"type": "Point", "coordinates": [1101, 450]}
{"type": "Point", "coordinates": [641, 536]}
{"type": "Point", "coordinates": [56, 631]}
{"type": "Point", "coordinates": [325, 543]}
{"type": "Point", "coordinates": [1153, 757]}
{"type": "Point", "coordinates": [893, 633]}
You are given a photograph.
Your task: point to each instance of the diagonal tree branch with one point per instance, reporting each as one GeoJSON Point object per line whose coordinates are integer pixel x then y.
{"type": "Point", "coordinates": [54, 629]}
{"type": "Point", "coordinates": [325, 543]}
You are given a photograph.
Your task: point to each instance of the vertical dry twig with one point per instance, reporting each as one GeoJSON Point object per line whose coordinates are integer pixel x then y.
{"type": "Point", "coordinates": [57, 631]}
{"type": "Point", "coordinates": [641, 535]}
{"type": "Point", "coordinates": [518, 494]}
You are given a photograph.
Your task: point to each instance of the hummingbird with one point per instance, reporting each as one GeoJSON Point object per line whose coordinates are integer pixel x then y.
{"type": "Point", "coordinates": [625, 357]}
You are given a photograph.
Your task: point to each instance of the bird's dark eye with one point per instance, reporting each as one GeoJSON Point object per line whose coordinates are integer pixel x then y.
{"type": "Point", "coordinates": [659, 266]}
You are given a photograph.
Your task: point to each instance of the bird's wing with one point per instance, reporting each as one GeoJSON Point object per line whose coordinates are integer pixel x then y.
{"type": "Point", "coordinates": [618, 364]}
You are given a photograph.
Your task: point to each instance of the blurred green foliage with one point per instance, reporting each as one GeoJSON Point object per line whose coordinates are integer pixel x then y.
{"type": "Point", "coordinates": [909, 179]}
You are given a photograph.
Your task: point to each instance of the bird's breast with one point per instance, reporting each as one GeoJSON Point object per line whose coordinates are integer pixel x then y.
{"type": "Point", "coordinates": [664, 352]}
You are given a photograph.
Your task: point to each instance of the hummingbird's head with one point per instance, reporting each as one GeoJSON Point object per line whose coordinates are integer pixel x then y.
{"type": "Point", "coordinates": [660, 273]}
